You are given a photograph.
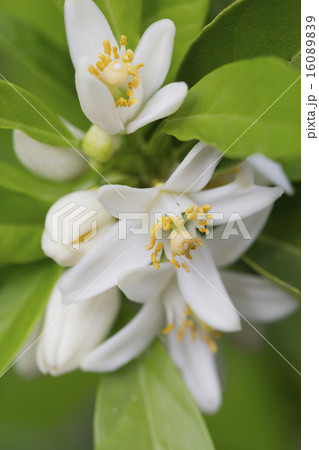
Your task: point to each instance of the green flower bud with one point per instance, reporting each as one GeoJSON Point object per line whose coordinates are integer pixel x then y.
{"type": "Point", "coordinates": [99, 145]}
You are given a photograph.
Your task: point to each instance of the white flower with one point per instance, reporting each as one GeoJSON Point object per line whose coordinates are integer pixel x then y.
{"type": "Point", "coordinates": [171, 212]}
{"type": "Point", "coordinates": [71, 331]}
{"type": "Point", "coordinates": [119, 89]}
{"type": "Point", "coordinates": [192, 343]}
{"type": "Point", "coordinates": [47, 161]}
{"type": "Point", "coordinates": [73, 225]}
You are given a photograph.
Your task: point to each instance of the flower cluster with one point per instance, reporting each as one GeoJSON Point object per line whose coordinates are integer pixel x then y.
{"type": "Point", "coordinates": [166, 247]}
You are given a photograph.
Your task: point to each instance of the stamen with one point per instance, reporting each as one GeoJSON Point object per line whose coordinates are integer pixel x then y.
{"type": "Point", "coordinates": [116, 55]}
{"type": "Point", "coordinates": [123, 41]}
{"type": "Point", "coordinates": [128, 56]}
{"type": "Point", "coordinates": [198, 241]}
{"type": "Point", "coordinates": [210, 343]}
{"type": "Point", "coordinates": [175, 263]}
{"type": "Point", "coordinates": [185, 267]}
{"type": "Point", "coordinates": [168, 329]}
{"type": "Point", "coordinates": [139, 66]}
{"type": "Point", "coordinates": [107, 47]}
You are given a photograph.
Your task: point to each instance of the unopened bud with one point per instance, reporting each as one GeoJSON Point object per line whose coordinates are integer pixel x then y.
{"type": "Point", "coordinates": [47, 161]}
{"type": "Point", "coordinates": [71, 331]}
{"type": "Point", "coordinates": [99, 145]}
{"type": "Point", "coordinates": [73, 225]}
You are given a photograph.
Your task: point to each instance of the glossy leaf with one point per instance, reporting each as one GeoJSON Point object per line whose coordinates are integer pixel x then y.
{"type": "Point", "coordinates": [242, 108]}
{"type": "Point", "coordinates": [146, 406]}
{"type": "Point", "coordinates": [24, 291]}
{"type": "Point", "coordinates": [246, 29]}
{"type": "Point", "coordinates": [21, 110]}
{"type": "Point", "coordinates": [276, 260]}
{"type": "Point", "coordinates": [31, 60]}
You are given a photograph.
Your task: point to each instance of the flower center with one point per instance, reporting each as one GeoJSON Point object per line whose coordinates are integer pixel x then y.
{"type": "Point", "coordinates": [181, 240]}
{"type": "Point", "coordinates": [115, 70]}
{"type": "Point", "coordinates": [197, 328]}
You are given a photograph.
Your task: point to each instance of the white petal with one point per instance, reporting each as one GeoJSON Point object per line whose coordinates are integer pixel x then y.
{"type": "Point", "coordinates": [86, 29]}
{"type": "Point", "coordinates": [195, 170]}
{"type": "Point", "coordinates": [46, 161]}
{"type": "Point", "coordinates": [204, 291]}
{"type": "Point", "coordinates": [128, 343]}
{"type": "Point", "coordinates": [269, 171]}
{"type": "Point", "coordinates": [100, 268]}
{"type": "Point", "coordinates": [119, 199]}
{"type": "Point", "coordinates": [96, 100]}
{"type": "Point", "coordinates": [236, 199]}
{"type": "Point", "coordinates": [71, 331]}
{"type": "Point", "coordinates": [198, 368]}
{"type": "Point", "coordinates": [256, 298]}
{"type": "Point", "coordinates": [155, 51]}
{"type": "Point", "coordinates": [164, 102]}
{"type": "Point", "coordinates": [145, 284]}
{"type": "Point", "coordinates": [225, 250]}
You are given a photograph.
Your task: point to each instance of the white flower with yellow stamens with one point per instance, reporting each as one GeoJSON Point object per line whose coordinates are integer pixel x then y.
{"type": "Point", "coordinates": [192, 342]}
{"type": "Point", "coordinates": [119, 90]}
{"type": "Point", "coordinates": [176, 224]}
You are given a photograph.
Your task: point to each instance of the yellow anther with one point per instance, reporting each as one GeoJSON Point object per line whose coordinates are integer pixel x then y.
{"type": "Point", "coordinates": [168, 329]}
{"type": "Point", "coordinates": [203, 222]}
{"type": "Point", "coordinates": [150, 246]}
{"type": "Point", "coordinates": [190, 209]}
{"type": "Point", "coordinates": [210, 343]}
{"type": "Point", "coordinates": [128, 56]}
{"type": "Point", "coordinates": [107, 47]}
{"type": "Point", "coordinates": [185, 267]}
{"type": "Point", "coordinates": [209, 216]}
{"type": "Point", "coordinates": [191, 216]}
{"type": "Point", "coordinates": [181, 332]}
{"type": "Point", "coordinates": [188, 256]}
{"type": "Point", "coordinates": [198, 241]}
{"type": "Point", "coordinates": [156, 265]}
{"type": "Point", "coordinates": [204, 230]}
{"type": "Point", "coordinates": [116, 55]}
{"type": "Point", "coordinates": [206, 208]}
{"type": "Point", "coordinates": [133, 71]}
{"type": "Point", "coordinates": [123, 41]}
{"type": "Point", "coordinates": [199, 209]}
{"type": "Point", "coordinates": [100, 66]}
{"type": "Point", "coordinates": [139, 66]}
{"type": "Point", "coordinates": [166, 223]}
{"type": "Point", "coordinates": [175, 263]}
{"type": "Point", "coordinates": [132, 101]}
{"type": "Point", "coordinates": [93, 71]}
{"type": "Point", "coordinates": [159, 247]}
{"type": "Point", "coordinates": [129, 92]}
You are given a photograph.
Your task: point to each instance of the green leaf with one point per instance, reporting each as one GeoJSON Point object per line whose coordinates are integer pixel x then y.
{"type": "Point", "coordinates": [246, 29]}
{"type": "Point", "coordinates": [188, 17]}
{"type": "Point", "coordinates": [20, 180]}
{"type": "Point", "coordinates": [38, 65]}
{"type": "Point", "coordinates": [245, 107]}
{"type": "Point", "coordinates": [145, 406]}
{"type": "Point", "coordinates": [276, 260]}
{"type": "Point", "coordinates": [21, 243]}
{"type": "Point", "coordinates": [21, 110]}
{"type": "Point", "coordinates": [24, 291]}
